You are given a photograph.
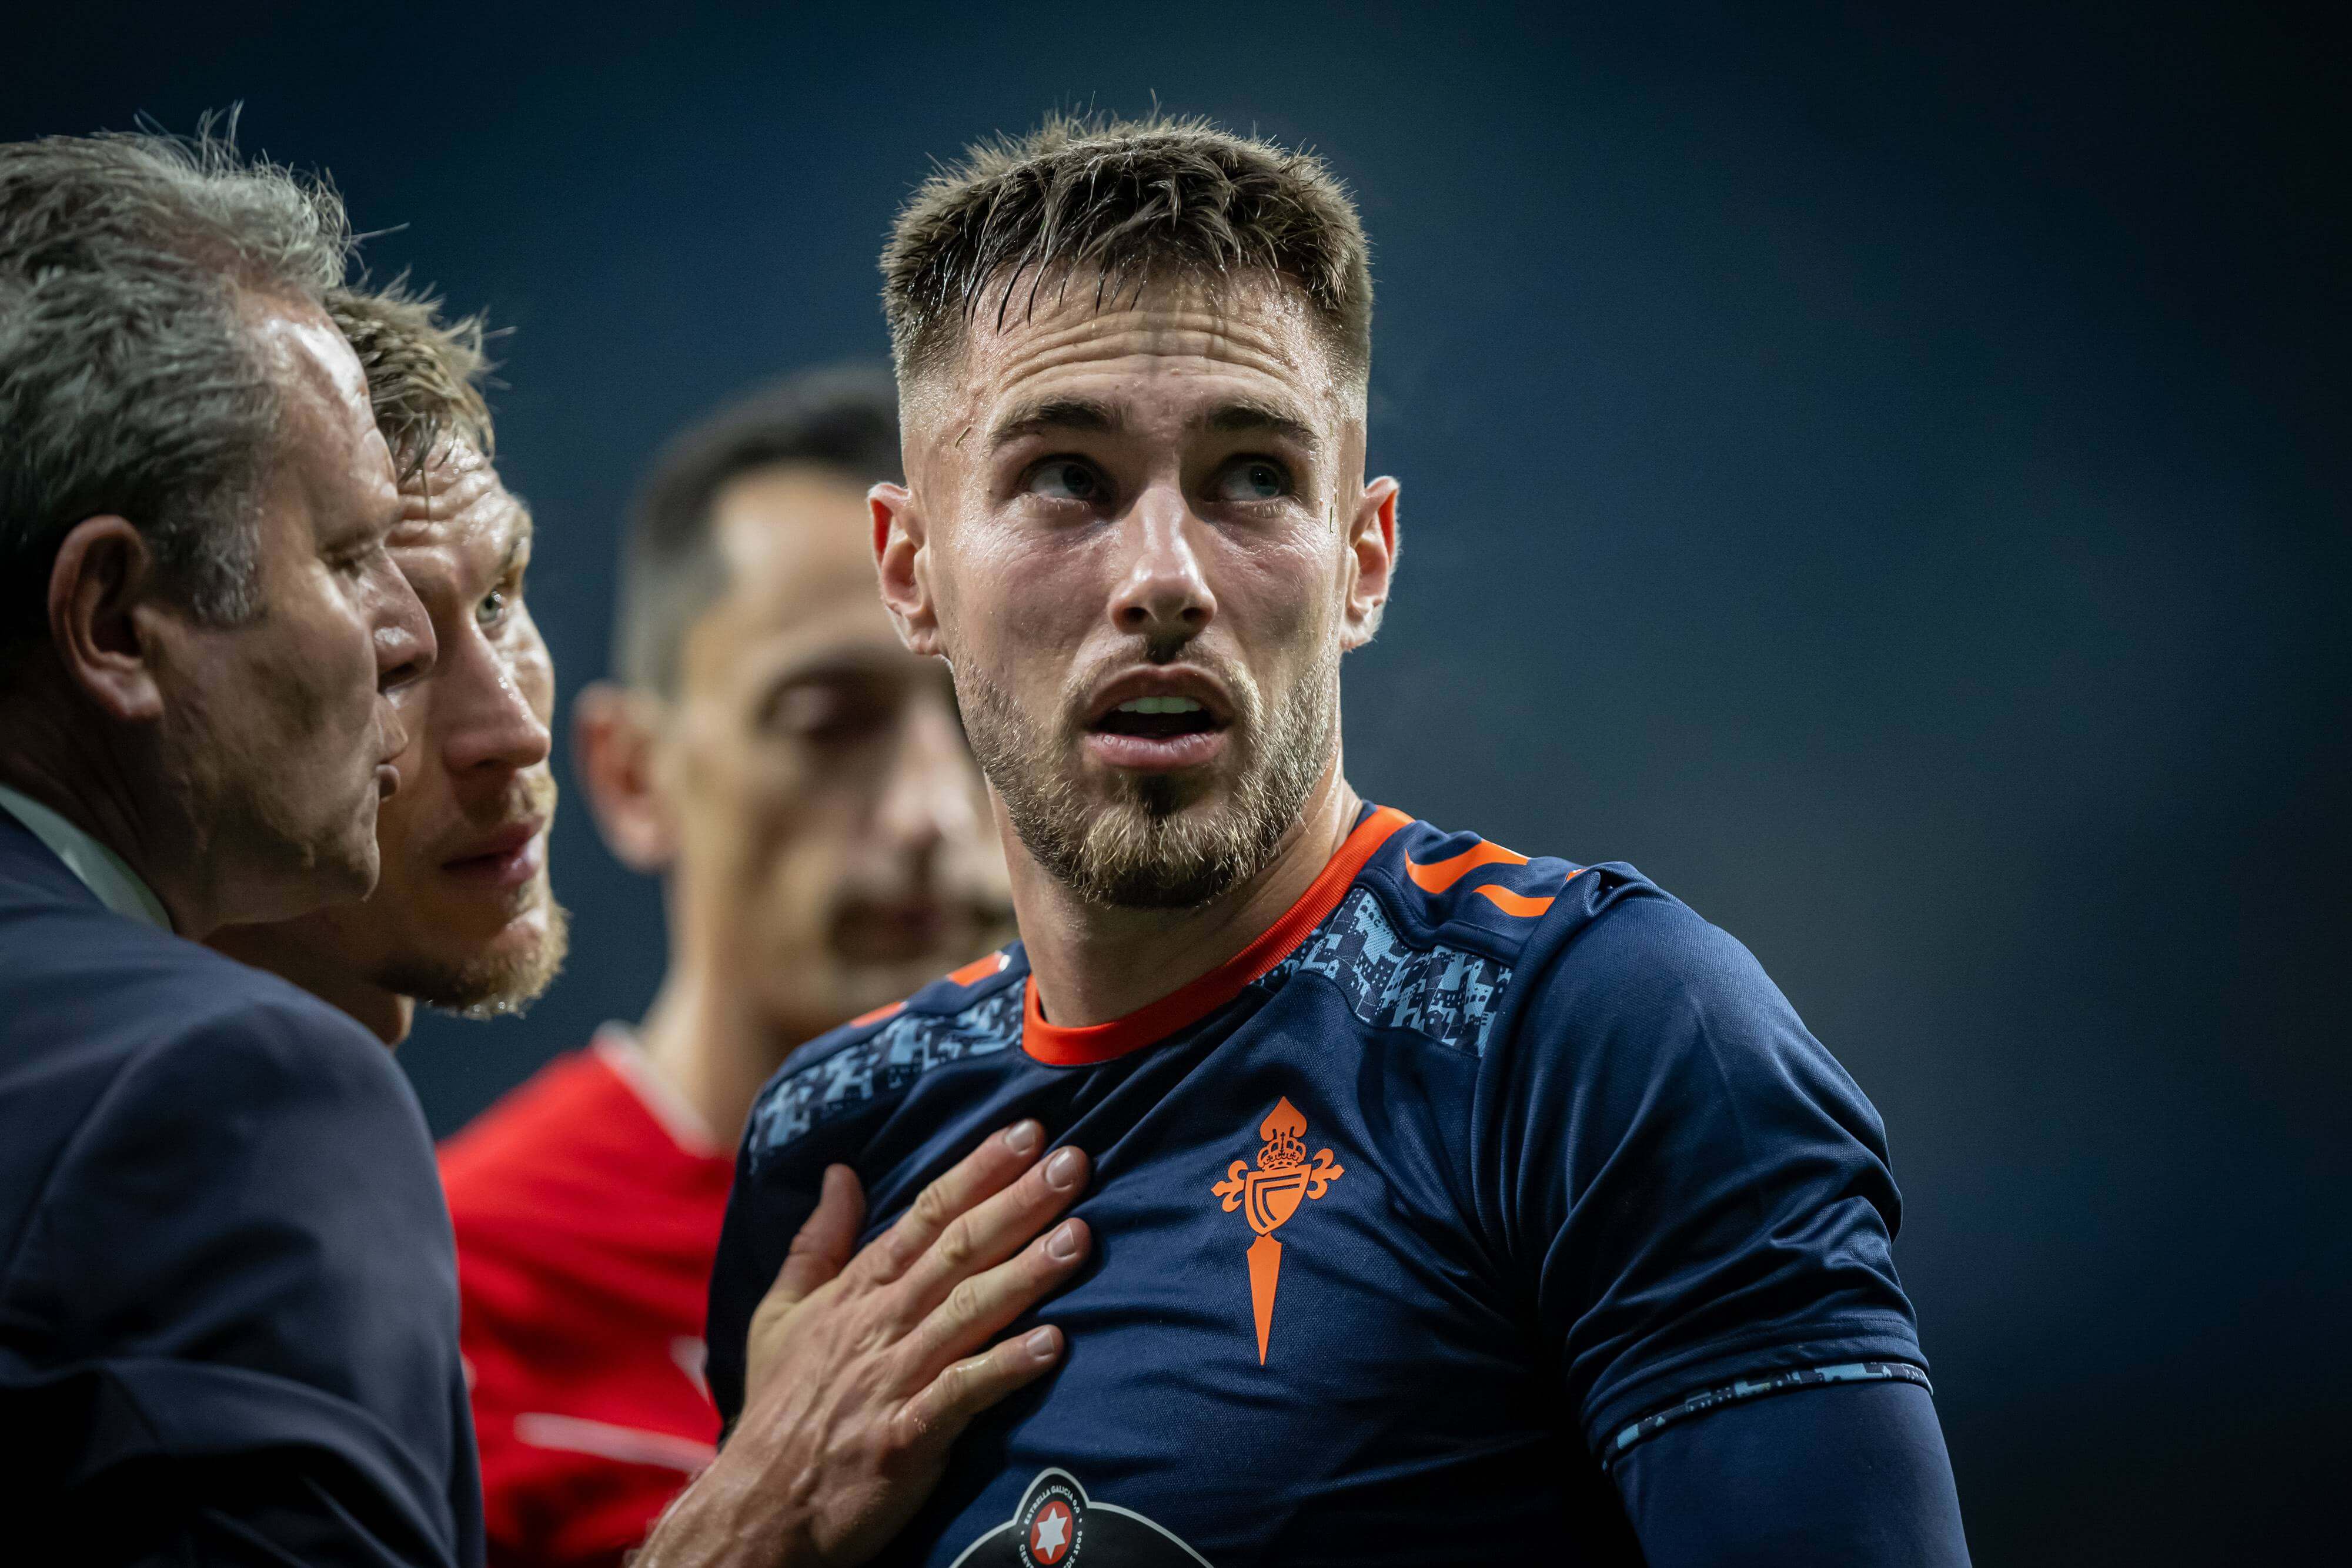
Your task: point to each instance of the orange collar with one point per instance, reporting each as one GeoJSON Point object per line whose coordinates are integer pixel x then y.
{"type": "Point", "coordinates": [1085, 1044]}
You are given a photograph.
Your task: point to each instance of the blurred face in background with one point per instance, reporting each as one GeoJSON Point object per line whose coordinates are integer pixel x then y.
{"type": "Point", "coordinates": [462, 918]}
{"type": "Point", "coordinates": [807, 787]}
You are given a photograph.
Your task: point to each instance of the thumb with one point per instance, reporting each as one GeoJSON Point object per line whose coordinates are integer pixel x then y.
{"type": "Point", "coordinates": [823, 1248]}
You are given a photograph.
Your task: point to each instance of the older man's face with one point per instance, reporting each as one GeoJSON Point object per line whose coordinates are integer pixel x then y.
{"type": "Point", "coordinates": [280, 731]}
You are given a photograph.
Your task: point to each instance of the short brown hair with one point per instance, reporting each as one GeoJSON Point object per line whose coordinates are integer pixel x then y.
{"type": "Point", "coordinates": [1124, 202]}
{"type": "Point", "coordinates": [842, 419]}
{"type": "Point", "coordinates": [424, 374]}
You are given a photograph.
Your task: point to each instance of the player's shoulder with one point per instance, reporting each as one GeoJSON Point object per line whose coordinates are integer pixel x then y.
{"type": "Point", "coordinates": [176, 1029]}
{"type": "Point", "coordinates": [1434, 912]}
{"type": "Point", "coordinates": [542, 1127]}
{"type": "Point", "coordinates": [1467, 890]}
{"type": "Point", "coordinates": [971, 1014]}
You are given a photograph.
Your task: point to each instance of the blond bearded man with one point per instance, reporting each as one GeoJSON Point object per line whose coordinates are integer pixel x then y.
{"type": "Point", "coordinates": [1450, 1204]}
{"type": "Point", "coordinates": [462, 918]}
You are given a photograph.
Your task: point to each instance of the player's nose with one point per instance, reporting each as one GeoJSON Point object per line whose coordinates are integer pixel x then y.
{"type": "Point", "coordinates": [1163, 594]}
{"type": "Point", "coordinates": [490, 720]}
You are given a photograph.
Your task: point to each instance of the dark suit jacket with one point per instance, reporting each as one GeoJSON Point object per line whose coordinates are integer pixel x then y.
{"type": "Point", "coordinates": [229, 1300]}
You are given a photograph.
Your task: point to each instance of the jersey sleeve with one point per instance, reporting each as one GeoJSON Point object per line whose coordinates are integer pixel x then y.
{"type": "Point", "coordinates": [244, 1261]}
{"type": "Point", "coordinates": [1698, 1190]}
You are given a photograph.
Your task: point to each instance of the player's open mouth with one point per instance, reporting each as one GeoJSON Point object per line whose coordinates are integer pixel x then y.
{"type": "Point", "coordinates": [1158, 721]}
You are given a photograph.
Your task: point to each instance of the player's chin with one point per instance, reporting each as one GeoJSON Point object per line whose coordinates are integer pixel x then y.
{"type": "Point", "coordinates": [470, 919]}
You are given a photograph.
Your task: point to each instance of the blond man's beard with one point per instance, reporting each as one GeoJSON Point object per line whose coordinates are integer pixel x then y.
{"type": "Point", "coordinates": [1151, 847]}
{"type": "Point", "coordinates": [485, 985]}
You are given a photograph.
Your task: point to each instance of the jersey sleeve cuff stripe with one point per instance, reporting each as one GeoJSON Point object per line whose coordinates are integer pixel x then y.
{"type": "Point", "coordinates": [1749, 1388]}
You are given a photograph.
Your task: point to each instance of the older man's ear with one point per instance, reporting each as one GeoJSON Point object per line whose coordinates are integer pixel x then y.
{"type": "Point", "coordinates": [99, 618]}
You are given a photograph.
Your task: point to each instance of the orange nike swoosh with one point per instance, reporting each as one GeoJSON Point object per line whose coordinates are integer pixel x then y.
{"type": "Point", "coordinates": [1439, 875]}
{"type": "Point", "coordinates": [1510, 903]}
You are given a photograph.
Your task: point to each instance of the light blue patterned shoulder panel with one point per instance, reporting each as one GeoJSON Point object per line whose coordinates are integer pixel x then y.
{"type": "Point", "coordinates": [1448, 995]}
{"type": "Point", "coordinates": [889, 1059]}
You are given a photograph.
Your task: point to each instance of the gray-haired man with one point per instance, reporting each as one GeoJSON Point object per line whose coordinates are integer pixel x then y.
{"type": "Point", "coordinates": [227, 1314]}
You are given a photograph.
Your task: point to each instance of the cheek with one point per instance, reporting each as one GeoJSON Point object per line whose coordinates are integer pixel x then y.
{"type": "Point", "coordinates": [534, 673]}
{"type": "Point", "coordinates": [1013, 593]}
{"type": "Point", "coordinates": [1280, 596]}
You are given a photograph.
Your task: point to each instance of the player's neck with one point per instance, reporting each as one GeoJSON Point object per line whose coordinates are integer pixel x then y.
{"type": "Point", "coordinates": [1093, 964]}
{"type": "Point", "coordinates": [711, 1046]}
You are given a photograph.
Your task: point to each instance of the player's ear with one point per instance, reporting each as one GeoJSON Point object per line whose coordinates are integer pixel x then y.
{"type": "Point", "coordinates": [613, 735]}
{"type": "Point", "coordinates": [902, 561]}
{"type": "Point", "coordinates": [1372, 555]}
{"type": "Point", "coordinates": [101, 622]}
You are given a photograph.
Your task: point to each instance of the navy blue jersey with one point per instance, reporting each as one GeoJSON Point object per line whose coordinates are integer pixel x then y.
{"type": "Point", "coordinates": [1469, 1177]}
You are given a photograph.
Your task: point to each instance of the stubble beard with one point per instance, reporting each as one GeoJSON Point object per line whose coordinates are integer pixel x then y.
{"type": "Point", "coordinates": [487, 984]}
{"type": "Point", "coordinates": [1153, 846]}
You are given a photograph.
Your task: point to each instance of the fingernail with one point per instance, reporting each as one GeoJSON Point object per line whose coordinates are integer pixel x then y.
{"type": "Point", "coordinates": [1062, 1171]}
{"type": "Point", "coordinates": [1063, 1245]}
{"type": "Point", "coordinates": [1023, 1137]}
{"type": "Point", "coordinates": [1042, 1343]}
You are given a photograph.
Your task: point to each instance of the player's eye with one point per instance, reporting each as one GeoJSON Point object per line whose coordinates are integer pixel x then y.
{"type": "Point", "coordinates": [830, 712]}
{"type": "Point", "coordinates": [1252, 479]}
{"type": "Point", "coordinates": [493, 608]}
{"type": "Point", "coordinates": [1065, 479]}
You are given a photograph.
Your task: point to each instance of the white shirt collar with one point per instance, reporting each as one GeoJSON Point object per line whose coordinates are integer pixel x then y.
{"type": "Point", "coordinates": [623, 1052]}
{"type": "Point", "coordinates": [102, 871]}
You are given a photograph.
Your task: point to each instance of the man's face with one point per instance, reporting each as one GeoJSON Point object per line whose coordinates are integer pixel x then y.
{"type": "Point", "coordinates": [834, 849]}
{"type": "Point", "coordinates": [463, 917]}
{"type": "Point", "coordinates": [1139, 543]}
{"type": "Point", "coordinates": [279, 731]}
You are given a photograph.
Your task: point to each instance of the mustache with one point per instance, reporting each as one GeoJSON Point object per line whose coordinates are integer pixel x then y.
{"type": "Point", "coordinates": [530, 794]}
{"type": "Point", "coordinates": [1078, 689]}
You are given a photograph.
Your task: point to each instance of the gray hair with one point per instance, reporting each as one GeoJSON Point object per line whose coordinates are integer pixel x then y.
{"type": "Point", "coordinates": [129, 382]}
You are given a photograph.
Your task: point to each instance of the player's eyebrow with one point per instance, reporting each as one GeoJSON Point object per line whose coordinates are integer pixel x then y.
{"type": "Point", "coordinates": [1079, 414]}
{"type": "Point", "coordinates": [1244, 416]}
{"type": "Point", "coordinates": [518, 537]}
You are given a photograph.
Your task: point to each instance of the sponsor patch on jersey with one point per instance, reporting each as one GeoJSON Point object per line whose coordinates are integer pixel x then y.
{"type": "Point", "coordinates": [1058, 1526]}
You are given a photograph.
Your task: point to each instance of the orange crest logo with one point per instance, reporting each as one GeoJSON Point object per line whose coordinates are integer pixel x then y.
{"type": "Point", "coordinates": [1269, 1196]}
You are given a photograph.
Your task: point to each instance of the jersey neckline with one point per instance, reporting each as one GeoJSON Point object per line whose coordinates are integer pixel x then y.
{"type": "Point", "coordinates": [1084, 1045]}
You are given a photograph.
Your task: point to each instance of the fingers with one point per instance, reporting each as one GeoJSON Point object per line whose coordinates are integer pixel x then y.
{"type": "Point", "coordinates": [980, 1305]}
{"type": "Point", "coordinates": [938, 1416]}
{"type": "Point", "coordinates": [986, 1171]}
{"type": "Point", "coordinates": [985, 1236]}
{"type": "Point", "coordinates": [826, 1240]}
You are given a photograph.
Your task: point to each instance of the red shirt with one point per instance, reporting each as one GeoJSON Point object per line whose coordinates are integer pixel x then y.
{"type": "Point", "coordinates": [587, 1210]}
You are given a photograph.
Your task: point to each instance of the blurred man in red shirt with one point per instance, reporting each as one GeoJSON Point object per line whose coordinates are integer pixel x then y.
{"type": "Point", "coordinates": [801, 784]}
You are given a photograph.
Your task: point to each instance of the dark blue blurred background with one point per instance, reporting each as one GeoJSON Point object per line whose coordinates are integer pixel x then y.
{"type": "Point", "coordinates": [1884, 477]}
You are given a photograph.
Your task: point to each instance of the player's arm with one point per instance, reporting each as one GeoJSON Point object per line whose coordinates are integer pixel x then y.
{"type": "Point", "coordinates": [1853, 1473]}
{"type": "Point", "coordinates": [1711, 1212]}
{"type": "Point", "coordinates": [859, 1372]}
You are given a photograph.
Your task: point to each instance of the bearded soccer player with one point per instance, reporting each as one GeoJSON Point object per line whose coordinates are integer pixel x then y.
{"type": "Point", "coordinates": [802, 783]}
{"type": "Point", "coordinates": [1450, 1204]}
{"type": "Point", "coordinates": [462, 918]}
